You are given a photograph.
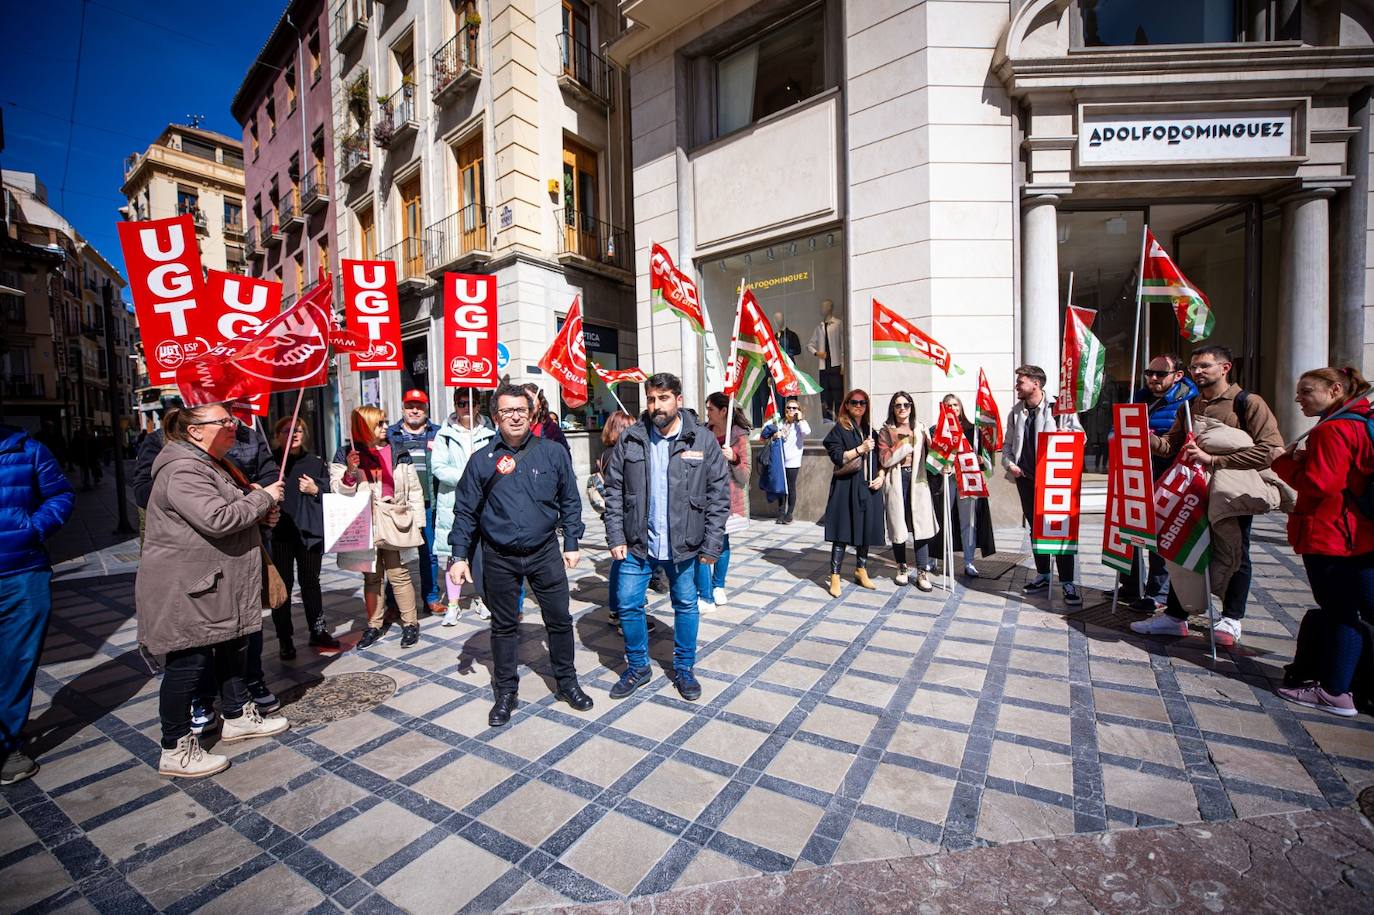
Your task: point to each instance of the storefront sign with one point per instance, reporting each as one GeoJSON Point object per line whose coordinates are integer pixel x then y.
{"type": "Point", "coordinates": [1169, 134]}
{"type": "Point", "coordinates": [165, 279]}
{"type": "Point", "coordinates": [371, 303]}
{"type": "Point", "coordinates": [1058, 474]}
{"type": "Point", "coordinates": [470, 325]}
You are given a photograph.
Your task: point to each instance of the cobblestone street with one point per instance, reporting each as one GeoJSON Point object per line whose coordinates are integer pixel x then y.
{"type": "Point", "coordinates": [882, 725]}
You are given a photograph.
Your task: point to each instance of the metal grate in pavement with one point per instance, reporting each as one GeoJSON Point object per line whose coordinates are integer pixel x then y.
{"type": "Point", "coordinates": [335, 698]}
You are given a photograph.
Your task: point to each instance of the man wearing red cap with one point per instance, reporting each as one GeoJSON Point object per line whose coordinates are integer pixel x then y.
{"type": "Point", "coordinates": [414, 433]}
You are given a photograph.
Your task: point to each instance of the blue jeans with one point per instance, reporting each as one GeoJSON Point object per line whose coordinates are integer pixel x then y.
{"type": "Point", "coordinates": [429, 563]}
{"type": "Point", "coordinates": [613, 585]}
{"type": "Point", "coordinates": [632, 586]}
{"type": "Point", "coordinates": [711, 577]}
{"type": "Point", "coordinates": [25, 605]}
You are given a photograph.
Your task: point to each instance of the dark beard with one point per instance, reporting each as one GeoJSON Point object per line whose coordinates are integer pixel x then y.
{"type": "Point", "coordinates": [661, 421]}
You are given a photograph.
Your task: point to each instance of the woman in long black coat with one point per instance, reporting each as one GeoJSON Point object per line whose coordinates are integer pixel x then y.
{"type": "Point", "coordinates": [854, 509]}
{"type": "Point", "coordinates": [298, 538]}
{"type": "Point", "coordinates": [979, 525]}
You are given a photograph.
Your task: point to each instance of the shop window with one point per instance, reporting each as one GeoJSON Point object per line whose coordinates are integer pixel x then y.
{"type": "Point", "coordinates": [784, 67]}
{"type": "Point", "coordinates": [1150, 22]}
{"type": "Point", "coordinates": [797, 281]}
{"type": "Point", "coordinates": [415, 372]}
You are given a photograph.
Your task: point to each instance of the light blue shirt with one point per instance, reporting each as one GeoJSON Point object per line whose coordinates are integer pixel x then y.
{"type": "Point", "coordinates": [660, 446]}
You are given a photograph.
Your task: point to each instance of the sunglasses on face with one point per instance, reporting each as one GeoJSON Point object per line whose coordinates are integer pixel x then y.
{"type": "Point", "coordinates": [900, 405]}
{"type": "Point", "coordinates": [1151, 373]}
{"type": "Point", "coordinates": [858, 403]}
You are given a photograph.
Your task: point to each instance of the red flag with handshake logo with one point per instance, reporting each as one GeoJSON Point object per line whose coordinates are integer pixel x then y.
{"type": "Point", "coordinates": [287, 353]}
{"type": "Point", "coordinates": [566, 358]}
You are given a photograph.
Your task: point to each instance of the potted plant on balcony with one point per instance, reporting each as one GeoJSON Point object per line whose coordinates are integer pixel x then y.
{"type": "Point", "coordinates": [473, 20]}
{"type": "Point", "coordinates": [358, 98]}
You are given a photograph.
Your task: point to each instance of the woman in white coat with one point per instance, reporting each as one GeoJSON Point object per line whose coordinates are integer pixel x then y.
{"type": "Point", "coordinates": [454, 444]}
{"type": "Point", "coordinates": [909, 508]}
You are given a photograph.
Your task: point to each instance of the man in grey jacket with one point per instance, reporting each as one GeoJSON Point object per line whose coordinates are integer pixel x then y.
{"type": "Point", "coordinates": [667, 500]}
{"type": "Point", "coordinates": [1032, 414]}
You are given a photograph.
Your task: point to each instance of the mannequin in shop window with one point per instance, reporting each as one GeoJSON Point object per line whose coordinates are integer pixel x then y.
{"type": "Point", "coordinates": [827, 345]}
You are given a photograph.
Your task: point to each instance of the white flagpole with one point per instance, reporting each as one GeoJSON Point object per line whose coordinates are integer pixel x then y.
{"type": "Point", "coordinates": [1207, 572]}
{"type": "Point", "coordinates": [948, 546]}
{"type": "Point", "coordinates": [1135, 337]}
{"type": "Point", "coordinates": [611, 388]}
{"type": "Point", "coordinates": [290, 434]}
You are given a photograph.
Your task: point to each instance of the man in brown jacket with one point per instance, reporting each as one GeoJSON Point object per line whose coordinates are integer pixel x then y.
{"type": "Point", "coordinates": [1222, 400]}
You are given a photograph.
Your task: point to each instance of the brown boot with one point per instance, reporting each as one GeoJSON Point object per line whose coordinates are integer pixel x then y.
{"type": "Point", "coordinates": [861, 576]}
{"type": "Point", "coordinates": [834, 584]}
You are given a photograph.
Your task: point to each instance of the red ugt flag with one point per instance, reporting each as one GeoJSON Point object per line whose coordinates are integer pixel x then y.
{"type": "Point", "coordinates": [165, 278]}
{"type": "Point", "coordinates": [566, 358]}
{"type": "Point", "coordinates": [373, 306]}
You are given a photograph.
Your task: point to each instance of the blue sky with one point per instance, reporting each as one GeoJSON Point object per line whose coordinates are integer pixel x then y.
{"type": "Point", "coordinates": [144, 64]}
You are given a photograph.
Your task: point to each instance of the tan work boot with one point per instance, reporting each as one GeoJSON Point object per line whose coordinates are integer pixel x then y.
{"type": "Point", "coordinates": [834, 585]}
{"type": "Point", "coordinates": [861, 577]}
{"type": "Point", "coordinates": [251, 724]}
{"type": "Point", "coordinates": [188, 760]}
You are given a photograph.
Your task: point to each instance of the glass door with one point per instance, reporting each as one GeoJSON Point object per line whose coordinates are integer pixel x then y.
{"type": "Point", "coordinates": [412, 229]}
{"type": "Point", "coordinates": [579, 200]}
{"type": "Point", "coordinates": [472, 197]}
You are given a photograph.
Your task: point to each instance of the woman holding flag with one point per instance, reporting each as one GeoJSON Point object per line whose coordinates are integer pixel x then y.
{"type": "Point", "coordinates": [711, 579]}
{"type": "Point", "coordinates": [973, 524]}
{"type": "Point", "coordinates": [854, 508]}
{"type": "Point", "coordinates": [910, 513]}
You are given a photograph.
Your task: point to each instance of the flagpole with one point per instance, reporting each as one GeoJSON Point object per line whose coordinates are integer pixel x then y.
{"type": "Point", "coordinates": [286, 445]}
{"type": "Point", "coordinates": [1135, 337]}
{"type": "Point", "coordinates": [734, 346]}
{"type": "Point", "coordinates": [1207, 571]}
{"type": "Point", "coordinates": [948, 545]}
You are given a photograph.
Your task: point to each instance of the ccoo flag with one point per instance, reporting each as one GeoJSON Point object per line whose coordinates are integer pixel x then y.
{"type": "Point", "coordinates": [1162, 281]}
{"type": "Point", "coordinates": [672, 290]}
{"type": "Point", "coordinates": [895, 339]}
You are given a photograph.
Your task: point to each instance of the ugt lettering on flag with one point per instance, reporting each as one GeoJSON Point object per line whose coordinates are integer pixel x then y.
{"type": "Point", "coordinates": [566, 357]}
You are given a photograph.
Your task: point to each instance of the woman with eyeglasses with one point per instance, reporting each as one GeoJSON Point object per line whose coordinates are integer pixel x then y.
{"type": "Point", "coordinates": [298, 538]}
{"type": "Point", "coordinates": [910, 511]}
{"type": "Point", "coordinates": [398, 517]}
{"type": "Point", "coordinates": [854, 508]}
{"type": "Point", "coordinates": [200, 589]}
{"type": "Point", "coordinates": [791, 432]}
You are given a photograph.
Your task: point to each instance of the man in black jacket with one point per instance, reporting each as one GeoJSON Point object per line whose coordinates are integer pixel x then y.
{"type": "Point", "coordinates": [667, 500]}
{"type": "Point", "coordinates": [516, 494]}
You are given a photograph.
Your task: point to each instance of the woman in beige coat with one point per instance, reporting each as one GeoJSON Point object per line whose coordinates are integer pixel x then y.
{"type": "Point", "coordinates": [909, 508]}
{"type": "Point", "coordinates": [199, 590]}
{"type": "Point", "coordinates": [398, 517]}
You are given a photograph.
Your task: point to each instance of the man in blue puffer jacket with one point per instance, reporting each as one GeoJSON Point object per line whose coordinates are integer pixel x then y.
{"type": "Point", "coordinates": [1167, 389]}
{"type": "Point", "coordinates": [35, 500]}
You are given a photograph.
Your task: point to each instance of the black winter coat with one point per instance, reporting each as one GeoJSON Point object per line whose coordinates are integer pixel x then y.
{"type": "Point", "coordinates": [303, 515]}
{"type": "Point", "coordinates": [853, 512]}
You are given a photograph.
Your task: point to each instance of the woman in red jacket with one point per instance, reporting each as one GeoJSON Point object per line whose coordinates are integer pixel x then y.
{"type": "Point", "coordinates": [1334, 538]}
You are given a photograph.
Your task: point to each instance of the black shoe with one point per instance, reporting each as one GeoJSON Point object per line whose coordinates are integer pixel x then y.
{"type": "Point", "coordinates": [572, 694]}
{"type": "Point", "coordinates": [613, 617]}
{"type": "Point", "coordinates": [500, 711]}
{"type": "Point", "coordinates": [263, 697]}
{"type": "Point", "coordinates": [287, 650]}
{"type": "Point", "coordinates": [410, 635]}
{"type": "Point", "coordinates": [630, 681]}
{"type": "Point", "coordinates": [323, 639]}
{"type": "Point", "coordinates": [1036, 585]}
{"type": "Point", "coordinates": [370, 636]}
{"type": "Point", "coordinates": [687, 685]}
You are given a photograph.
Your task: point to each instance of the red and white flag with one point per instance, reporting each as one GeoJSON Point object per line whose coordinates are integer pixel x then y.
{"type": "Point", "coordinates": [566, 358]}
{"type": "Point", "coordinates": [1162, 281]}
{"type": "Point", "coordinates": [672, 290]}
{"type": "Point", "coordinates": [968, 473]}
{"type": "Point", "coordinates": [470, 331]}
{"type": "Point", "coordinates": [944, 440]}
{"type": "Point", "coordinates": [372, 307]}
{"type": "Point", "coordinates": [988, 420]}
{"type": "Point", "coordinates": [616, 376]}
{"type": "Point", "coordinates": [895, 339]}
{"type": "Point", "coordinates": [1133, 472]}
{"type": "Point", "coordinates": [1058, 483]}
{"type": "Point", "coordinates": [1117, 552]}
{"type": "Point", "coordinates": [162, 258]}
{"type": "Point", "coordinates": [1181, 513]}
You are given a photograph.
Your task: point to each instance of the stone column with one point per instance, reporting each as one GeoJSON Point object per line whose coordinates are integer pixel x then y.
{"type": "Point", "coordinates": [1040, 284]}
{"type": "Point", "coordinates": [1304, 318]}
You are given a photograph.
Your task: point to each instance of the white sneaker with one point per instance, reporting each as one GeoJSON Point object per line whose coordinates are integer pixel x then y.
{"type": "Point", "coordinates": [1161, 624]}
{"type": "Point", "coordinates": [188, 760]}
{"type": "Point", "coordinates": [480, 609]}
{"type": "Point", "coordinates": [719, 597]}
{"type": "Point", "coordinates": [1227, 631]}
{"type": "Point", "coordinates": [203, 718]}
{"type": "Point", "coordinates": [251, 724]}
{"type": "Point", "coordinates": [451, 615]}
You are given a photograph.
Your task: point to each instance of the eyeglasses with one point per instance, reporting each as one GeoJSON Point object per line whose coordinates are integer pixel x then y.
{"type": "Point", "coordinates": [900, 405]}
{"type": "Point", "coordinates": [225, 422]}
{"type": "Point", "coordinates": [512, 412]}
{"type": "Point", "coordinates": [1151, 373]}
{"type": "Point", "coordinates": [857, 403]}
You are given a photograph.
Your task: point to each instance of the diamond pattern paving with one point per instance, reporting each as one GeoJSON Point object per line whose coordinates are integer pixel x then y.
{"type": "Point", "coordinates": [882, 724]}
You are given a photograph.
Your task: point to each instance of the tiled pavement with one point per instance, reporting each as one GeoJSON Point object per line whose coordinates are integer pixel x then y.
{"type": "Point", "coordinates": [882, 724]}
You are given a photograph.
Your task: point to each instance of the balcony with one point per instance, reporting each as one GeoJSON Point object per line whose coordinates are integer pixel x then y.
{"type": "Point", "coordinates": [590, 243]}
{"type": "Point", "coordinates": [197, 216]}
{"type": "Point", "coordinates": [396, 117]}
{"type": "Point", "coordinates": [585, 75]}
{"type": "Point", "coordinates": [233, 230]}
{"type": "Point", "coordinates": [409, 257]}
{"type": "Point", "coordinates": [250, 243]}
{"type": "Point", "coordinates": [350, 23]}
{"type": "Point", "coordinates": [290, 211]}
{"type": "Point", "coordinates": [459, 241]}
{"type": "Point", "coordinates": [315, 193]}
{"type": "Point", "coordinates": [235, 258]}
{"type": "Point", "coordinates": [23, 386]}
{"type": "Point", "coordinates": [357, 155]}
{"type": "Point", "coordinates": [272, 235]}
{"type": "Point", "coordinates": [455, 66]}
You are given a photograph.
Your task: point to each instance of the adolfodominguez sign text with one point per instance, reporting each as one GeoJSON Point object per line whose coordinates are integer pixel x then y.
{"type": "Point", "coordinates": [1164, 134]}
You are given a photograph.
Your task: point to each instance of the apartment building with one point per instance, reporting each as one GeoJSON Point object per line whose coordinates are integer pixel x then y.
{"type": "Point", "coordinates": [284, 107]}
{"type": "Point", "coordinates": [55, 370]}
{"type": "Point", "coordinates": [488, 137]}
{"type": "Point", "coordinates": [195, 171]}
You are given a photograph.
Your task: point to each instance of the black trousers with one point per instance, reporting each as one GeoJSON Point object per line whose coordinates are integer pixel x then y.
{"type": "Point", "coordinates": [1025, 487]}
{"type": "Point", "coordinates": [183, 673]}
{"type": "Point", "coordinates": [548, 580]}
{"type": "Point", "coordinates": [789, 501]}
{"type": "Point", "coordinates": [289, 556]}
{"type": "Point", "coordinates": [832, 389]}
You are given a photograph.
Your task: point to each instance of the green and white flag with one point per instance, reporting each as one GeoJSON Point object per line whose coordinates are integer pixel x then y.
{"type": "Point", "coordinates": [1083, 365]}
